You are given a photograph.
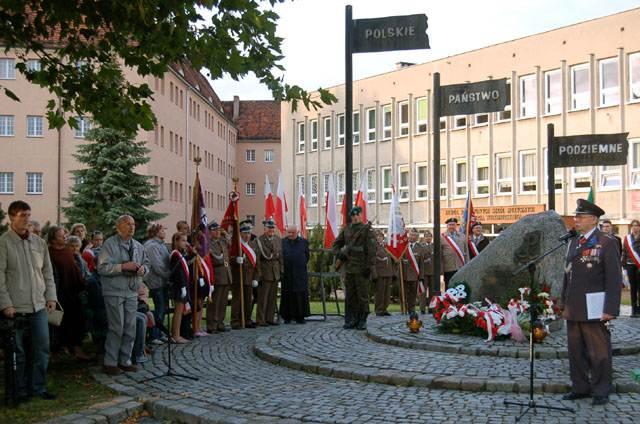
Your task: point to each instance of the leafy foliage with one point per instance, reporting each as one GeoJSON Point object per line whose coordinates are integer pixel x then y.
{"type": "Point", "coordinates": [83, 45]}
{"type": "Point", "coordinates": [109, 187]}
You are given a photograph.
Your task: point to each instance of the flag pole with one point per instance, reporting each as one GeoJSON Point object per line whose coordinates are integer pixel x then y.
{"type": "Point", "coordinates": [235, 211]}
{"type": "Point", "coordinates": [403, 298]}
{"type": "Point", "coordinates": [196, 262]}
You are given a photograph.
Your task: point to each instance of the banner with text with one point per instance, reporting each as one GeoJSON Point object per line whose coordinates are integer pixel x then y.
{"type": "Point", "coordinates": [590, 150]}
{"type": "Point", "coordinates": [478, 97]}
{"type": "Point", "coordinates": [390, 33]}
{"type": "Point", "coordinates": [495, 214]}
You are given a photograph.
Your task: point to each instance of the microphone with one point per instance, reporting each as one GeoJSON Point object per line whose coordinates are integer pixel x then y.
{"type": "Point", "coordinates": [571, 234]}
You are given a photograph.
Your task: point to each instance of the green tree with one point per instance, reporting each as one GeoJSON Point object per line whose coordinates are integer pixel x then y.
{"type": "Point", "coordinates": [109, 187]}
{"type": "Point", "coordinates": [82, 46]}
{"type": "Point", "coordinates": [3, 216]}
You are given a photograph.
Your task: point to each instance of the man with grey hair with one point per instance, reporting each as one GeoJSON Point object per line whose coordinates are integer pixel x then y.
{"type": "Point", "coordinates": [122, 264]}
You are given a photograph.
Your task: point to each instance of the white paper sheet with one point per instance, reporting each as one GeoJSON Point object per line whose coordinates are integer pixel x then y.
{"type": "Point", "coordinates": [595, 305]}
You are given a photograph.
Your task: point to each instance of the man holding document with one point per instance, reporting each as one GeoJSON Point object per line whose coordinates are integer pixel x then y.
{"type": "Point", "coordinates": [590, 298]}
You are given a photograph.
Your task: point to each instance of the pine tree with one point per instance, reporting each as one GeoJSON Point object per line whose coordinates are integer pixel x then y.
{"type": "Point", "coordinates": [109, 187]}
{"type": "Point", "coordinates": [3, 227]}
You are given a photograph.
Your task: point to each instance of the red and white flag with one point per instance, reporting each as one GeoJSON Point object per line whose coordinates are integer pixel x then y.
{"type": "Point", "coordinates": [303, 213]}
{"type": "Point", "coordinates": [343, 213]}
{"type": "Point", "coordinates": [397, 240]}
{"type": "Point", "coordinates": [251, 254]}
{"type": "Point", "coordinates": [281, 207]}
{"type": "Point", "coordinates": [331, 228]}
{"type": "Point", "coordinates": [269, 204]}
{"type": "Point", "coordinates": [362, 199]}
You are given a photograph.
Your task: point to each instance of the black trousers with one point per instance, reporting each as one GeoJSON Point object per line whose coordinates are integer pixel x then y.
{"type": "Point", "coordinates": [589, 345]}
{"type": "Point", "coordinates": [634, 283]}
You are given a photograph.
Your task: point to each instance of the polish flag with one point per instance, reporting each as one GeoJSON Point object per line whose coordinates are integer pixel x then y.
{"type": "Point", "coordinates": [303, 213]}
{"type": "Point", "coordinates": [397, 240]}
{"type": "Point", "coordinates": [269, 204]}
{"type": "Point", "coordinates": [331, 215]}
{"type": "Point", "coordinates": [343, 213]}
{"type": "Point", "coordinates": [281, 207]}
{"type": "Point", "coordinates": [361, 198]}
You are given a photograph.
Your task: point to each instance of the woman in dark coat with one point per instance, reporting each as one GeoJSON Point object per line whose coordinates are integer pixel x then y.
{"type": "Point", "coordinates": [294, 302]}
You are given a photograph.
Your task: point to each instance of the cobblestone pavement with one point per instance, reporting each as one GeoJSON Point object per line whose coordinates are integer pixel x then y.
{"type": "Point", "coordinates": [236, 386]}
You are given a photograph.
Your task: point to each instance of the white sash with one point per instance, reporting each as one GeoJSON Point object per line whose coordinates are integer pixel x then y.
{"type": "Point", "coordinates": [183, 262]}
{"type": "Point", "coordinates": [473, 248]}
{"type": "Point", "coordinates": [251, 254]}
{"type": "Point", "coordinates": [454, 247]}
{"type": "Point", "coordinates": [628, 243]}
{"type": "Point", "coordinates": [412, 261]}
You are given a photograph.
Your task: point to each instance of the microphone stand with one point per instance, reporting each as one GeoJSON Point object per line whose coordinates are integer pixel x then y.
{"type": "Point", "coordinates": [531, 266]}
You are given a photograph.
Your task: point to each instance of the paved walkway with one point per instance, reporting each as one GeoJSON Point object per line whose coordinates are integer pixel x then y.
{"type": "Point", "coordinates": [236, 385]}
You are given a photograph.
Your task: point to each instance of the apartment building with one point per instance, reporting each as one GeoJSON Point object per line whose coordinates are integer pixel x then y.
{"type": "Point", "coordinates": [583, 78]}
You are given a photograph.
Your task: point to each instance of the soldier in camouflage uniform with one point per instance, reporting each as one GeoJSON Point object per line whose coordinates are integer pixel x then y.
{"type": "Point", "coordinates": [356, 248]}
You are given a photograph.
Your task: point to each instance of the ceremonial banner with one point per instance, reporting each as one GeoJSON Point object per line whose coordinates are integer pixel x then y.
{"type": "Point", "coordinates": [396, 242]}
{"type": "Point", "coordinates": [199, 224]}
{"type": "Point", "coordinates": [331, 229]}
{"type": "Point", "coordinates": [269, 204]}
{"type": "Point", "coordinates": [362, 199]}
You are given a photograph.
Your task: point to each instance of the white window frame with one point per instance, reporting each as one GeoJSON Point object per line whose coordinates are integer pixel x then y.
{"type": "Point", "coordinates": [355, 184]}
{"type": "Point", "coordinates": [250, 189]}
{"type": "Point", "coordinates": [581, 174]}
{"type": "Point", "coordinates": [386, 126]}
{"type": "Point", "coordinates": [33, 65]}
{"type": "Point", "coordinates": [443, 123]}
{"type": "Point", "coordinates": [34, 126]}
{"type": "Point", "coordinates": [460, 122]}
{"type": "Point", "coordinates": [422, 191]}
{"type": "Point", "coordinates": [313, 124]}
{"type": "Point", "coordinates": [530, 178]}
{"type": "Point", "coordinates": [300, 184]}
{"type": "Point", "coordinates": [7, 185]}
{"type": "Point", "coordinates": [403, 125]}
{"type": "Point", "coordinates": [340, 186]}
{"type": "Point", "coordinates": [528, 108]}
{"type": "Point", "coordinates": [7, 125]}
{"type": "Point", "coordinates": [457, 185]}
{"type": "Point", "coordinates": [313, 190]}
{"type": "Point", "coordinates": [580, 100]}
{"type": "Point", "coordinates": [7, 68]}
{"type": "Point", "coordinates": [327, 132]}
{"type": "Point", "coordinates": [501, 180]}
{"type": "Point", "coordinates": [610, 177]}
{"type": "Point", "coordinates": [371, 131]}
{"type": "Point", "coordinates": [355, 127]}
{"type": "Point", "coordinates": [35, 183]}
{"type": "Point", "coordinates": [421, 124]}
{"type": "Point", "coordinates": [558, 174]}
{"type": "Point", "coordinates": [404, 189]}
{"type": "Point", "coordinates": [371, 184]}
{"type": "Point", "coordinates": [301, 137]}
{"type": "Point", "coordinates": [84, 125]}
{"type": "Point", "coordinates": [269, 155]}
{"type": "Point", "coordinates": [552, 104]}
{"type": "Point", "coordinates": [478, 116]}
{"type": "Point", "coordinates": [477, 182]}
{"type": "Point", "coordinates": [609, 96]}
{"type": "Point", "coordinates": [634, 71]}
{"type": "Point", "coordinates": [505, 115]}
{"type": "Point", "coordinates": [634, 163]}
{"type": "Point", "coordinates": [341, 130]}
{"type": "Point", "coordinates": [250, 155]}
{"type": "Point", "coordinates": [387, 191]}
{"type": "Point", "coordinates": [325, 184]}
{"type": "Point", "coordinates": [444, 180]}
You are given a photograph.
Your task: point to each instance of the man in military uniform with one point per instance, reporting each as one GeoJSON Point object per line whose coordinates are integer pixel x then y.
{"type": "Point", "coordinates": [478, 241]}
{"type": "Point", "coordinates": [271, 268]}
{"type": "Point", "coordinates": [250, 263]}
{"type": "Point", "coordinates": [454, 250]}
{"type": "Point", "coordinates": [592, 268]}
{"type": "Point", "coordinates": [426, 268]}
{"type": "Point", "coordinates": [409, 274]}
{"type": "Point", "coordinates": [217, 309]}
{"type": "Point", "coordinates": [356, 248]}
{"type": "Point", "coordinates": [385, 268]}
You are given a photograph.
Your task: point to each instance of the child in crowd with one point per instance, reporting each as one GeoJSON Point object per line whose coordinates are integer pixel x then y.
{"type": "Point", "coordinates": [179, 283]}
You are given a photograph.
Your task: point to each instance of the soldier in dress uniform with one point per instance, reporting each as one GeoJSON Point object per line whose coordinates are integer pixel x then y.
{"type": "Point", "coordinates": [454, 250]}
{"type": "Point", "coordinates": [426, 267]}
{"type": "Point", "coordinates": [250, 277]}
{"type": "Point", "coordinates": [385, 269]}
{"type": "Point", "coordinates": [217, 309]}
{"type": "Point", "coordinates": [478, 240]}
{"type": "Point", "coordinates": [356, 248]}
{"type": "Point", "coordinates": [271, 268]}
{"type": "Point", "coordinates": [592, 269]}
{"type": "Point", "coordinates": [411, 278]}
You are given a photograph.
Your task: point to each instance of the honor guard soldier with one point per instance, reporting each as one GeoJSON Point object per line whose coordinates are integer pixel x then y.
{"type": "Point", "coordinates": [385, 270]}
{"type": "Point", "coordinates": [271, 269]}
{"type": "Point", "coordinates": [249, 261]}
{"type": "Point", "coordinates": [590, 299]}
{"type": "Point", "coordinates": [431, 284]}
{"type": "Point", "coordinates": [454, 250]}
{"type": "Point", "coordinates": [356, 248]}
{"type": "Point", "coordinates": [218, 250]}
{"type": "Point", "coordinates": [409, 274]}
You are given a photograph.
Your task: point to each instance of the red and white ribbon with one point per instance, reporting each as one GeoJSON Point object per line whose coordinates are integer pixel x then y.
{"type": "Point", "coordinates": [628, 244]}
{"type": "Point", "coordinates": [454, 247]}
{"type": "Point", "coordinates": [251, 254]}
{"type": "Point", "coordinates": [183, 262]}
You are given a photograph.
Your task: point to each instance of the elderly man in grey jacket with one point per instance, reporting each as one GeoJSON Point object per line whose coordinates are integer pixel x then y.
{"type": "Point", "coordinates": [158, 277]}
{"type": "Point", "coordinates": [122, 264]}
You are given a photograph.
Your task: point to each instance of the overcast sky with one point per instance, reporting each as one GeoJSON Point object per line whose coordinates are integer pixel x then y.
{"type": "Point", "coordinates": [313, 32]}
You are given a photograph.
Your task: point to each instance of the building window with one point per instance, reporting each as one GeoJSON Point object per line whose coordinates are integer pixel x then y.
{"type": "Point", "coordinates": [7, 69]}
{"type": "Point", "coordinates": [355, 186]}
{"type": "Point", "coordinates": [528, 183]}
{"type": "Point", "coordinates": [481, 119]}
{"type": "Point", "coordinates": [504, 180]}
{"type": "Point", "coordinates": [443, 179]}
{"type": "Point", "coordinates": [6, 182]}
{"type": "Point", "coordinates": [552, 92]}
{"type": "Point", "coordinates": [387, 181]}
{"type": "Point", "coordinates": [634, 163]}
{"type": "Point", "coordinates": [481, 174]}
{"type": "Point", "coordinates": [341, 186]}
{"type": "Point", "coordinates": [580, 91]}
{"type": "Point", "coordinates": [313, 198]}
{"type": "Point", "coordinates": [7, 128]}
{"type": "Point", "coordinates": [84, 125]}
{"type": "Point", "coordinates": [301, 130]}
{"type": "Point", "coordinates": [610, 177]}
{"type": "Point", "coordinates": [34, 182]}
{"type": "Point", "coordinates": [403, 118]}
{"type": "Point", "coordinates": [314, 135]}
{"type": "Point", "coordinates": [459, 121]}
{"type": "Point", "coordinates": [325, 181]}
{"type": "Point", "coordinates": [609, 82]}
{"type": "Point", "coordinates": [460, 177]}
{"type": "Point", "coordinates": [268, 155]}
{"type": "Point", "coordinates": [327, 133]}
{"type": "Point", "coordinates": [403, 183]}
{"type": "Point", "coordinates": [356, 127]}
{"type": "Point", "coordinates": [371, 124]}
{"type": "Point", "coordinates": [33, 65]}
{"type": "Point", "coordinates": [421, 115]}
{"type": "Point", "coordinates": [421, 181]}
{"type": "Point", "coordinates": [528, 103]}
{"type": "Point", "coordinates": [634, 77]}
{"type": "Point", "coordinates": [341, 130]}
{"type": "Point", "coordinates": [371, 184]}
{"type": "Point", "coordinates": [505, 115]}
{"type": "Point", "coordinates": [300, 186]}
{"type": "Point", "coordinates": [250, 155]}
{"type": "Point", "coordinates": [557, 178]}
{"type": "Point", "coordinates": [250, 189]}
{"type": "Point", "coordinates": [443, 123]}
{"type": "Point", "coordinates": [386, 122]}
{"type": "Point", "coordinates": [581, 178]}
{"type": "Point", "coordinates": [34, 126]}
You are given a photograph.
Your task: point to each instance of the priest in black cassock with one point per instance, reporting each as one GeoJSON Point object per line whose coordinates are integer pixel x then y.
{"type": "Point", "coordinates": [294, 300]}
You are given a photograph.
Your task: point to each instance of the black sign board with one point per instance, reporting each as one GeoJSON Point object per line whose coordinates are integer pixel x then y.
{"type": "Point", "coordinates": [589, 150]}
{"type": "Point", "coordinates": [390, 33]}
{"type": "Point", "coordinates": [478, 97]}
